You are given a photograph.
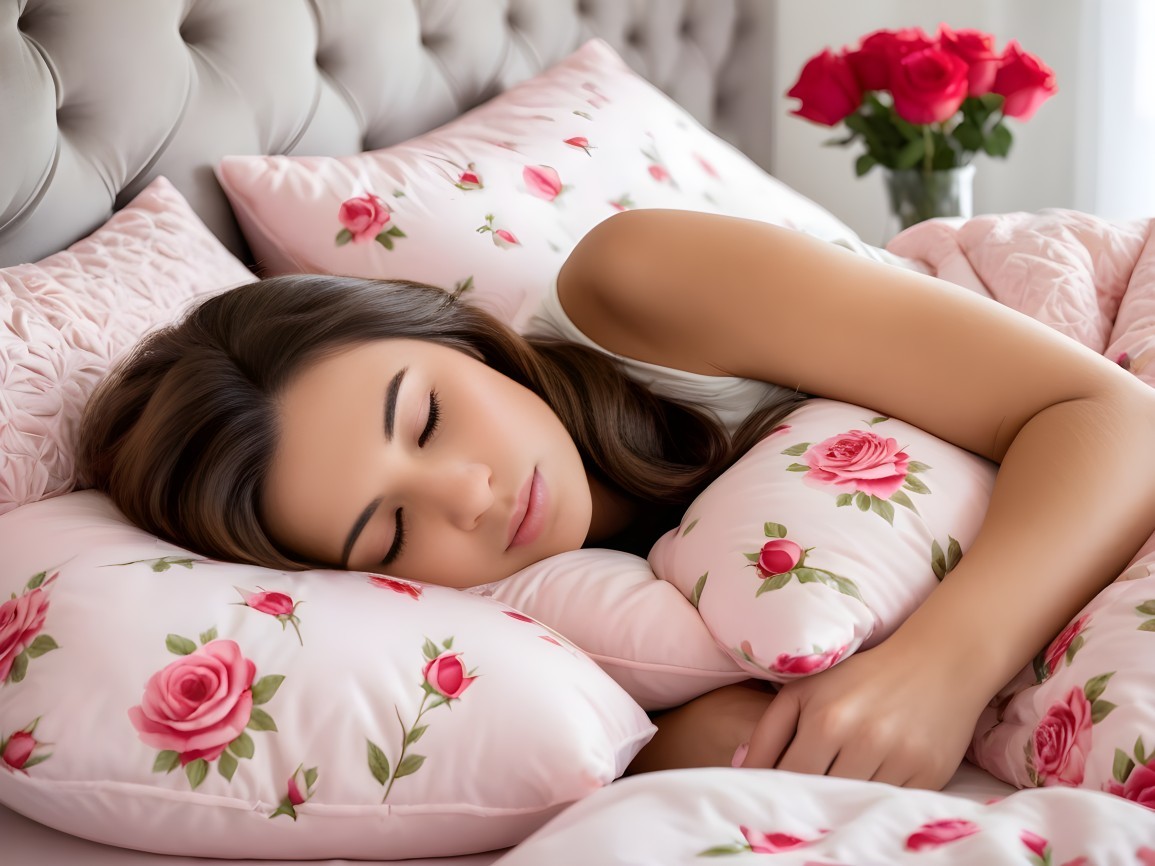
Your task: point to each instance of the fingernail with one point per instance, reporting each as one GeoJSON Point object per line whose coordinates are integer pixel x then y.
{"type": "Point", "coordinates": [739, 755]}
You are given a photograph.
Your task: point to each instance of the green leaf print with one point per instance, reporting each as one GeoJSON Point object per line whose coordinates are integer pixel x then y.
{"type": "Point", "coordinates": [40, 646]}
{"type": "Point", "coordinates": [797, 450]}
{"type": "Point", "coordinates": [1096, 686]}
{"type": "Point", "coordinates": [261, 721]}
{"type": "Point", "coordinates": [1122, 766]}
{"type": "Point", "coordinates": [844, 499]}
{"type": "Point", "coordinates": [772, 583]}
{"type": "Point", "coordinates": [696, 595]}
{"type": "Point", "coordinates": [690, 526]}
{"type": "Point", "coordinates": [227, 765]}
{"type": "Point", "coordinates": [722, 850]}
{"type": "Point", "coordinates": [343, 237]}
{"type": "Point", "coordinates": [166, 761]}
{"type": "Point", "coordinates": [196, 771]}
{"type": "Point", "coordinates": [915, 466]}
{"type": "Point", "coordinates": [266, 687]}
{"type": "Point", "coordinates": [900, 498]}
{"type": "Point", "coordinates": [915, 485]}
{"type": "Point", "coordinates": [797, 467]}
{"type": "Point", "coordinates": [415, 734]}
{"type": "Point", "coordinates": [35, 581]}
{"type": "Point", "coordinates": [409, 764]}
{"type": "Point", "coordinates": [378, 763]}
{"type": "Point", "coordinates": [877, 419]}
{"type": "Point", "coordinates": [180, 646]}
{"type": "Point", "coordinates": [242, 746]}
{"type": "Point", "coordinates": [1100, 710]}
{"type": "Point", "coordinates": [862, 501]}
{"type": "Point", "coordinates": [208, 636]}
{"type": "Point", "coordinates": [883, 509]}
{"type": "Point", "coordinates": [1147, 608]}
{"type": "Point", "coordinates": [774, 530]}
{"type": "Point", "coordinates": [429, 649]}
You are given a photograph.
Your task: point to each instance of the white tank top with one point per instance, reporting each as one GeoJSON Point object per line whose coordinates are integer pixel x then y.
{"type": "Point", "coordinates": [730, 398]}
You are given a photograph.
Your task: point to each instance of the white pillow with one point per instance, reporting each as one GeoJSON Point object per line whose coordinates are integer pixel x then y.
{"type": "Point", "coordinates": [141, 686]}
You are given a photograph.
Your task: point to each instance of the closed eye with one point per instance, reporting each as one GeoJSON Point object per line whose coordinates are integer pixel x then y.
{"type": "Point", "coordinates": [431, 426]}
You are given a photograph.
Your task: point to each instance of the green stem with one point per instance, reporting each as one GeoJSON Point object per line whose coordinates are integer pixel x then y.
{"type": "Point", "coordinates": [404, 745]}
{"type": "Point", "coordinates": [928, 150]}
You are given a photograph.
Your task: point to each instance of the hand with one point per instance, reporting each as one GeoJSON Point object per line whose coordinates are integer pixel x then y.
{"type": "Point", "coordinates": [881, 714]}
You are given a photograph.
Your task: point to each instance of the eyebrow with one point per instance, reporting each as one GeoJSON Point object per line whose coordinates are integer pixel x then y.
{"type": "Point", "coordinates": [391, 393]}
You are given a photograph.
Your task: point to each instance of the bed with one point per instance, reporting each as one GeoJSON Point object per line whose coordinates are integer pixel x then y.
{"type": "Point", "coordinates": [125, 122]}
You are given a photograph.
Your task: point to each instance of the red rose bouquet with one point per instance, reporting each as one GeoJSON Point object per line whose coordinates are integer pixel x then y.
{"type": "Point", "coordinates": [922, 102]}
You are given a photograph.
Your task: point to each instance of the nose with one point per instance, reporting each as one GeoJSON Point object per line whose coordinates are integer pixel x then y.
{"type": "Point", "coordinates": [461, 491]}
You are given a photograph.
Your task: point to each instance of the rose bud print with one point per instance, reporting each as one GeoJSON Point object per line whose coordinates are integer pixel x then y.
{"type": "Point", "coordinates": [298, 790]}
{"type": "Point", "coordinates": [404, 587]}
{"type": "Point", "coordinates": [580, 142]}
{"type": "Point", "coordinates": [1035, 843]}
{"type": "Point", "coordinates": [1062, 645]}
{"type": "Point", "coordinates": [1139, 787]}
{"type": "Point", "coordinates": [277, 605]}
{"type": "Point", "coordinates": [501, 237]}
{"type": "Point", "coordinates": [542, 181]}
{"type": "Point", "coordinates": [807, 664]}
{"type": "Point", "coordinates": [772, 843]}
{"type": "Point", "coordinates": [778, 556]}
{"type": "Point", "coordinates": [363, 218]}
{"type": "Point", "coordinates": [447, 676]}
{"type": "Point", "coordinates": [658, 172]}
{"type": "Point", "coordinates": [18, 749]}
{"type": "Point", "coordinates": [469, 179]}
{"type": "Point", "coordinates": [935, 833]}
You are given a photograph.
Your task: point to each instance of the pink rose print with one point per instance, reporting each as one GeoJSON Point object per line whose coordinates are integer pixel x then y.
{"type": "Point", "coordinates": [520, 617]}
{"type": "Point", "coordinates": [706, 166]}
{"type": "Point", "coordinates": [446, 675]}
{"type": "Point", "coordinates": [412, 590]}
{"type": "Point", "coordinates": [365, 218]}
{"type": "Point", "coordinates": [623, 202]}
{"type": "Point", "coordinates": [935, 833]}
{"type": "Point", "coordinates": [542, 181]}
{"type": "Point", "coordinates": [1134, 776]}
{"type": "Point", "coordinates": [501, 237]}
{"type": "Point", "coordinates": [469, 179]}
{"type": "Point", "coordinates": [581, 143]}
{"type": "Point", "coordinates": [1146, 856]}
{"type": "Point", "coordinates": [807, 664]}
{"type": "Point", "coordinates": [21, 750]}
{"type": "Point", "coordinates": [780, 560]}
{"type": "Point", "coordinates": [1037, 845]}
{"type": "Point", "coordinates": [299, 789]}
{"type": "Point", "coordinates": [1069, 642]}
{"type": "Point", "coordinates": [21, 621]}
{"type": "Point", "coordinates": [873, 467]}
{"type": "Point", "coordinates": [859, 459]}
{"type": "Point", "coordinates": [277, 605]}
{"type": "Point", "coordinates": [1061, 741]}
{"type": "Point", "coordinates": [657, 168]}
{"type": "Point", "coordinates": [444, 679]}
{"type": "Point", "coordinates": [778, 556]}
{"type": "Point", "coordinates": [196, 709]}
{"type": "Point", "coordinates": [758, 842]}
{"type": "Point", "coordinates": [597, 98]}
{"type": "Point", "coordinates": [658, 172]}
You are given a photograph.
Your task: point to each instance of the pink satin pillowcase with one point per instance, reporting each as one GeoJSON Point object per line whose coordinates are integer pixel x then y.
{"type": "Point", "coordinates": [491, 203]}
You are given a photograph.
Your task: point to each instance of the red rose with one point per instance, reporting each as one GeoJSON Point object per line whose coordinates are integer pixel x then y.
{"type": "Point", "coordinates": [859, 459]}
{"type": "Point", "coordinates": [928, 85]}
{"type": "Point", "coordinates": [1062, 740]}
{"type": "Point", "coordinates": [871, 61]}
{"type": "Point", "coordinates": [1035, 843]}
{"type": "Point", "coordinates": [446, 674]}
{"type": "Point", "coordinates": [199, 703]}
{"type": "Point", "coordinates": [778, 556]}
{"type": "Point", "coordinates": [827, 89]}
{"type": "Point", "coordinates": [1139, 787]}
{"type": "Point", "coordinates": [364, 216]}
{"type": "Point", "coordinates": [18, 749]}
{"type": "Point", "coordinates": [977, 50]}
{"type": "Point", "coordinates": [935, 833]}
{"type": "Point", "coordinates": [772, 843]}
{"type": "Point", "coordinates": [21, 619]}
{"type": "Point", "coordinates": [1059, 646]}
{"type": "Point", "coordinates": [1024, 81]}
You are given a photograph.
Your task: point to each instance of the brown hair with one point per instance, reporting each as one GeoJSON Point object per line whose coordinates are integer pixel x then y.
{"type": "Point", "coordinates": [180, 435]}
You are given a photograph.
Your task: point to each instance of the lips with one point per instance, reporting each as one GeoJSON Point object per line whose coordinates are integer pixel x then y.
{"type": "Point", "coordinates": [529, 515]}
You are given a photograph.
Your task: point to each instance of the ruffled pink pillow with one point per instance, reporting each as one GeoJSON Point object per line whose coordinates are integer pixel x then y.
{"type": "Point", "coordinates": [491, 203]}
{"type": "Point", "coordinates": [66, 319]}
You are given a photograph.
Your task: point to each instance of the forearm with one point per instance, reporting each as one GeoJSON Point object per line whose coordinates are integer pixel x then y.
{"type": "Point", "coordinates": [1073, 500]}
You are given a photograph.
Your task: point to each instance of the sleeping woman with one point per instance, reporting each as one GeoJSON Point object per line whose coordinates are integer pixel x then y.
{"type": "Point", "coordinates": [310, 421]}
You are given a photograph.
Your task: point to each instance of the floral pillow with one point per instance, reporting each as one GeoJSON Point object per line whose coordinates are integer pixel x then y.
{"type": "Point", "coordinates": [153, 699]}
{"type": "Point", "coordinates": [65, 320]}
{"type": "Point", "coordinates": [1083, 713]}
{"type": "Point", "coordinates": [824, 537]}
{"type": "Point", "coordinates": [490, 204]}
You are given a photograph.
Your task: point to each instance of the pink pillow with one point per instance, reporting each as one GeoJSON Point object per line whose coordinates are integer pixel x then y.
{"type": "Point", "coordinates": [66, 319]}
{"type": "Point", "coordinates": [153, 699]}
{"type": "Point", "coordinates": [1083, 714]}
{"type": "Point", "coordinates": [492, 202]}
{"type": "Point", "coordinates": [824, 537]}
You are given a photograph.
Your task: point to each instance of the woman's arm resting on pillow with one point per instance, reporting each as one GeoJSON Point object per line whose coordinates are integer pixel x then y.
{"type": "Point", "coordinates": [1074, 498]}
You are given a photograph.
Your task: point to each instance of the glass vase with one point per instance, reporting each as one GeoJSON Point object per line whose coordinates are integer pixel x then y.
{"type": "Point", "coordinates": [916, 195]}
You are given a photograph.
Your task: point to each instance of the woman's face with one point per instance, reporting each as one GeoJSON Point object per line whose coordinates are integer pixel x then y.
{"type": "Point", "coordinates": [413, 459]}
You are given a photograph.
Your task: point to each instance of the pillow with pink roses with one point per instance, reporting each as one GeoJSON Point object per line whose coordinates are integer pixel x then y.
{"type": "Point", "coordinates": [824, 537]}
{"type": "Point", "coordinates": [1083, 713]}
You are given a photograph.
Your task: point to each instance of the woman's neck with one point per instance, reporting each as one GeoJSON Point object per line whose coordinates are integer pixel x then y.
{"type": "Point", "coordinates": [613, 512]}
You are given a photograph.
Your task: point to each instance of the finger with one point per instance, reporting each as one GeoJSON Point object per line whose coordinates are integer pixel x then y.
{"type": "Point", "coordinates": [856, 761]}
{"type": "Point", "coordinates": [774, 731]}
{"type": "Point", "coordinates": [810, 751]}
{"type": "Point", "coordinates": [893, 772]}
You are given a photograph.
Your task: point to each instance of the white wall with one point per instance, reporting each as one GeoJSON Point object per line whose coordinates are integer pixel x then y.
{"type": "Point", "coordinates": [1040, 170]}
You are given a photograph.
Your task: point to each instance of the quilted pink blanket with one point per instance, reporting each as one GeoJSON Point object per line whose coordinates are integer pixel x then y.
{"type": "Point", "coordinates": [1089, 278]}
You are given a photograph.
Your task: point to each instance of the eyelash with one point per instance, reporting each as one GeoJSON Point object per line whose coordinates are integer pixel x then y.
{"type": "Point", "coordinates": [428, 433]}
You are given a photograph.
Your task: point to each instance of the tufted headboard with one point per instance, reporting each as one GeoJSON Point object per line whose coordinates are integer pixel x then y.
{"type": "Point", "coordinates": [98, 97]}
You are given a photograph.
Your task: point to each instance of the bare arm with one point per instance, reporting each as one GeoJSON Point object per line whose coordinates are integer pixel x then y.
{"type": "Point", "coordinates": [1075, 494]}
